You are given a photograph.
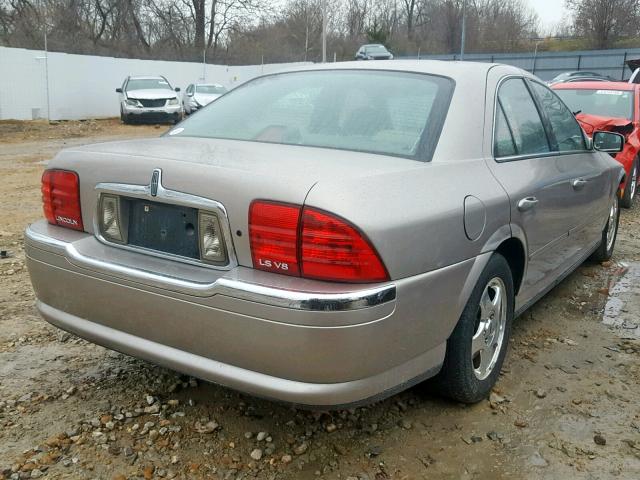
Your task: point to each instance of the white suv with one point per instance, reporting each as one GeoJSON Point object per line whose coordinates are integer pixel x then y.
{"type": "Point", "coordinates": [149, 98]}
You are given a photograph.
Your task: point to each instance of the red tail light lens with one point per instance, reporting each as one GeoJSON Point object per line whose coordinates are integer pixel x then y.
{"type": "Point", "coordinates": [333, 249]}
{"type": "Point", "coordinates": [307, 242]}
{"type": "Point", "coordinates": [273, 232]}
{"type": "Point", "coordinates": [61, 198]}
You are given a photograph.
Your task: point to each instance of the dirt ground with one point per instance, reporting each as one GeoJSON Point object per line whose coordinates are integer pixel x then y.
{"type": "Point", "coordinates": [566, 405]}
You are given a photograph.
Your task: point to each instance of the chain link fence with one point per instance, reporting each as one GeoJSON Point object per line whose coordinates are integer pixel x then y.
{"type": "Point", "coordinates": [547, 65]}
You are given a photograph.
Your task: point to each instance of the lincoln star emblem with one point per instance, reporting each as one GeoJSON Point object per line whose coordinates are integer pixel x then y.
{"type": "Point", "coordinates": [155, 181]}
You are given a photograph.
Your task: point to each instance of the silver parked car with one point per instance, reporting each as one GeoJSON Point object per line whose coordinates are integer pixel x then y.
{"type": "Point", "coordinates": [330, 235]}
{"type": "Point", "coordinates": [198, 95]}
{"type": "Point", "coordinates": [150, 99]}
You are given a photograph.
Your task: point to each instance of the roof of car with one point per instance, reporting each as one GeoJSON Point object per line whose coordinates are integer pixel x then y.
{"type": "Point", "coordinates": [586, 73]}
{"type": "Point", "coordinates": [596, 86]}
{"type": "Point", "coordinates": [145, 77]}
{"type": "Point", "coordinates": [454, 70]}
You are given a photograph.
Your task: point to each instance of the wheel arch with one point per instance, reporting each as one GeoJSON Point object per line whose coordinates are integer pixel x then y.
{"type": "Point", "coordinates": [513, 250]}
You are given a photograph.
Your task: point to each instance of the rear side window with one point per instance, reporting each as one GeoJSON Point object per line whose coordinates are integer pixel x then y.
{"type": "Point", "coordinates": [504, 139]}
{"type": "Point", "coordinates": [394, 113]}
{"type": "Point", "coordinates": [564, 126]}
{"type": "Point", "coordinates": [522, 119]}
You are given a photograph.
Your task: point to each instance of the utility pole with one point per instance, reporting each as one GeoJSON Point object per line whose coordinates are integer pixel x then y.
{"type": "Point", "coordinates": [46, 60]}
{"type": "Point", "coordinates": [324, 31]}
{"type": "Point", "coordinates": [535, 55]}
{"type": "Point", "coordinates": [46, 72]}
{"type": "Point", "coordinates": [204, 64]}
{"type": "Point", "coordinates": [464, 28]}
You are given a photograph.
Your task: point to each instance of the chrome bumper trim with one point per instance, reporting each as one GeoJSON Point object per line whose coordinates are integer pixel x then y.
{"type": "Point", "coordinates": [274, 296]}
{"type": "Point", "coordinates": [314, 301]}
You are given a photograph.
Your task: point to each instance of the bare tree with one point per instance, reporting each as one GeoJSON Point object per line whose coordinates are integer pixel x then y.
{"type": "Point", "coordinates": [250, 31]}
{"type": "Point", "coordinates": [605, 21]}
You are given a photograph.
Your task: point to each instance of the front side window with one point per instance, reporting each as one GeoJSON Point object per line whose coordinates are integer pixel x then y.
{"type": "Point", "coordinates": [522, 119]}
{"type": "Point", "coordinates": [395, 113]}
{"type": "Point", "coordinates": [564, 126]}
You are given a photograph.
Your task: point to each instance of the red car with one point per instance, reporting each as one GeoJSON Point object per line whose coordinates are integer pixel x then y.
{"type": "Point", "coordinates": [614, 107]}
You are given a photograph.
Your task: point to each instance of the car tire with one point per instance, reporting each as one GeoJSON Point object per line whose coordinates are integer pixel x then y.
{"type": "Point", "coordinates": [125, 118]}
{"type": "Point", "coordinates": [609, 233]}
{"type": "Point", "coordinates": [468, 376]}
{"type": "Point", "coordinates": [631, 187]}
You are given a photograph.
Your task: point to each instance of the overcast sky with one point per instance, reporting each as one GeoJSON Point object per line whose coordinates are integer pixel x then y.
{"type": "Point", "coordinates": [549, 11]}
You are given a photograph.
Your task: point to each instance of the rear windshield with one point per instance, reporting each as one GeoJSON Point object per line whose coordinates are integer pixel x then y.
{"type": "Point", "coordinates": [604, 103]}
{"type": "Point", "coordinates": [382, 112]}
{"type": "Point", "coordinates": [147, 83]}
{"type": "Point", "coordinates": [211, 89]}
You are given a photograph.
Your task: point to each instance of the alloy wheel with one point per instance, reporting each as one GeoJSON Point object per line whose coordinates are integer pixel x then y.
{"type": "Point", "coordinates": [612, 225]}
{"type": "Point", "coordinates": [491, 322]}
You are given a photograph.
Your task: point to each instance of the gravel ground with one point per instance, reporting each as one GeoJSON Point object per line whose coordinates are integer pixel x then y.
{"type": "Point", "coordinates": [566, 404]}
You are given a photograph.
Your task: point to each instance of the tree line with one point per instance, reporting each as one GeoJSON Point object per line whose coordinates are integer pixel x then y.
{"type": "Point", "coordinates": [254, 31]}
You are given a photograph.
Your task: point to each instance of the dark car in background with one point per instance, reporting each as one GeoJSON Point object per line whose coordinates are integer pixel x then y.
{"type": "Point", "coordinates": [149, 98]}
{"type": "Point", "coordinates": [373, 51]}
{"type": "Point", "coordinates": [613, 107]}
{"type": "Point", "coordinates": [580, 76]}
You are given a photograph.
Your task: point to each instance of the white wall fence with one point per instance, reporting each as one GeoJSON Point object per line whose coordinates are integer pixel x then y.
{"type": "Point", "coordinates": [83, 86]}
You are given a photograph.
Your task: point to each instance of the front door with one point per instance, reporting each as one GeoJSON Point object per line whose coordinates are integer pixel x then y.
{"type": "Point", "coordinates": [590, 181]}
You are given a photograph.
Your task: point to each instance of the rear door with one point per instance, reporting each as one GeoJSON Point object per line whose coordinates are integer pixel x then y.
{"type": "Point", "coordinates": [589, 180]}
{"type": "Point", "coordinates": [538, 179]}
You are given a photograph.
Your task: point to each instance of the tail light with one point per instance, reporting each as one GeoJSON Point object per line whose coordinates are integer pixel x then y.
{"type": "Point", "coordinates": [273, 232]}
{"type": "Point", "coordinates": [304, 241]}
{"type": "Point", "coordinates": [61, 198]}
{"type": "Point", "coordinates": [333, 249]}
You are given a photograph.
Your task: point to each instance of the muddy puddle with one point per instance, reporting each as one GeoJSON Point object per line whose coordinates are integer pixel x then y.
{"type": "Point", "coordinates": [623, 303]}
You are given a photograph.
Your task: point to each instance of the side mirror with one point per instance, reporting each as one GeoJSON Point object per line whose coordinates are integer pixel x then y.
{"type": "Point", "coordinates": [189, 94]}
{"type": "Point", "coordinates": [608, 142]}
{"type": "Point", "coordinates": [177, 89]}
{"type": "Point", "coordinates": [118, 90]}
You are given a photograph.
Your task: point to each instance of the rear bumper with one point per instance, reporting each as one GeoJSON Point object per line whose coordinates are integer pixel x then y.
{"type": "Point", "coordinates": [289, 339]}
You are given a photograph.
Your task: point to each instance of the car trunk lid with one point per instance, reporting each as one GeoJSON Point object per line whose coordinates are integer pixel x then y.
{"type": "Point", "coordinates": [233, 173]}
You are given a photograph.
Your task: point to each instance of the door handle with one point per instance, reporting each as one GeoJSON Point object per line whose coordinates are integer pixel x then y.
{"type": "Point", "coordinates": [527, 203]}
{"type": "Point", "coordinates": [579, 183]}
